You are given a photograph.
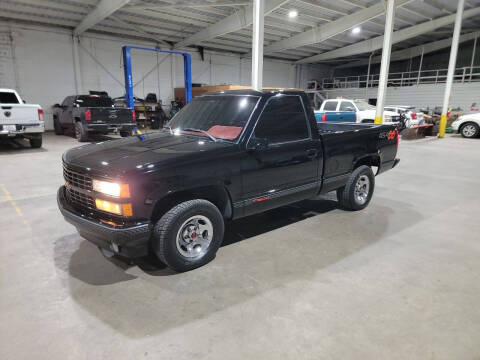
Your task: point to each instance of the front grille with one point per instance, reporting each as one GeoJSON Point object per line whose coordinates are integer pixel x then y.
{"type": "Point", "coordinates": [77, 198]}
{"type": "Point", "coordinates": [76, 179]}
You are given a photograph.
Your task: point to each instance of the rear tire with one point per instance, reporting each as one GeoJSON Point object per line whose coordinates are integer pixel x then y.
{"type": "Point", "coordinates": [80, 132]}
{"type": "Point", "coordinates": [57, 127]}
{"type": "Point", "coordinates": [188, 235]}
{"type": "Point", "coordinates": [358, 191]}
{"type": "Point", "coordinates": [36, 142]}
{"type": "Point", "coordinates": [470, 130]}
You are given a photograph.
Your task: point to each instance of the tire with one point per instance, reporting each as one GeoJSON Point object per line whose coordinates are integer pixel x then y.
{"type": "Point", "coordinates": [175, 240]}
{"type": "Point", "coordinates": [80, 132]}
{"type": "Point", "coordinates": [36, 142]}
{"type": "Point", "coordinates": [124, 133]}
{"type": "Point", "coordinates": [57, 127]}
{"type": "Point", "coordinates": [351, 197]}
{"type": "Point", "coordinates": [470, 130]}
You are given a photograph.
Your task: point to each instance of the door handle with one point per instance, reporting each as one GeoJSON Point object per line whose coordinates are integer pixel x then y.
{"type": "Point", "coordinates": [312, 153]}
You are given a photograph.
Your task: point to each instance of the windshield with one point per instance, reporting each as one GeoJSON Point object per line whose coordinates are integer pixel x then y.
{"type": "Point", "coordinates": [220, 117]}
{"type": "Point", "coordinates": [94, 101]}
{"type": "Point", "coordinates": [363, 105]}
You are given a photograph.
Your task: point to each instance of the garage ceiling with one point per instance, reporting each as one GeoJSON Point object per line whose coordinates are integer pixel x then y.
{"type": "Point", "coordinates": [223, 25]}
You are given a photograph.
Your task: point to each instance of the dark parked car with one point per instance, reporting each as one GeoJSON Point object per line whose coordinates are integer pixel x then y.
{"type": "Point", "coordinates": [224, 156]}
{"type": "Point", "coordinates": [92, 114]}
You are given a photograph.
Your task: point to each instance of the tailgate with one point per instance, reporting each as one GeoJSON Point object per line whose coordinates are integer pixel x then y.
{"type": "Point", "coordinates": [111, 115]}
{"type": "Point", "coordinates": [16, 114]}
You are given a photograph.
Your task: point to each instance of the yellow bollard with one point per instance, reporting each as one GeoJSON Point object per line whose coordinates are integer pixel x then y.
{"type": "Point", "coordinates": [443, 126]}
{"type": "Point", "coordinates": [378, 120]}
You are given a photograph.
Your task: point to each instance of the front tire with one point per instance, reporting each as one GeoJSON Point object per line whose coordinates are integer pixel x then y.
{"type": "Point", "coordinates": [80, 132]}
{"type": "Point", "coordinates": [358, 191]}
{"type": "Point", "coordinates": [188, 235]}
{"type": "Point", "coordinates": [470, 130]}
{"type": "Point", "coordinates": [57, 127]}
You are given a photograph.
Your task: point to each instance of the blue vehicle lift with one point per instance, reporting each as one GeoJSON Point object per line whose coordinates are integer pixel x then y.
{"type": "Point", "coordinates": [127, 68]}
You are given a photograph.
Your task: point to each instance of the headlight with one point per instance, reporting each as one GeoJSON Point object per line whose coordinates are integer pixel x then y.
{"type": "Point", "coordinates": [114, 208]}
{"type": "Point", "coordinates": [111, 188]}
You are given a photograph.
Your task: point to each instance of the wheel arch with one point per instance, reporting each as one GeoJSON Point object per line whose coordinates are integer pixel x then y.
{"type": "Point", "coordinates": [216, 194]}
{"type": "Point", "coordinates": [368, 160]}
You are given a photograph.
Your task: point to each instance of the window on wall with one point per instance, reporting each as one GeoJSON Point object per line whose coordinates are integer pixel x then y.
{"type": "Point", "coordinates": [283, 119]}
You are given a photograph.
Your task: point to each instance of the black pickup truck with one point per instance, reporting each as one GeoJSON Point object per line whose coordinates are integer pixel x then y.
{"type": "Point", "coordinates": [92, 114]}
{"type": "Point", "coordinates": [224, 156]}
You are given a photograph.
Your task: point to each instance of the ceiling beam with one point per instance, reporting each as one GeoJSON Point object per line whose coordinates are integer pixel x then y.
{"type": "Point", "coordinates": [140, 29]}
{"type": "Point", "coordinates": [413, 51]}
{"type": "Point", "coordinates": [370, 45]}
{"type": "Point", "coordinates": [323, 32]}
{"type": "Point", "coordinates": [104, 9]}
{"type": "Point", "coordinates": [190, 5]}
{"type": "Point", "coordinates": [239, 20]}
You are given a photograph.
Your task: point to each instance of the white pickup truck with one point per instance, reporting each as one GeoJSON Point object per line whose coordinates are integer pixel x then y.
{"type": "Point", "coordinates": [20, 120]}
{"type": "Point", "coordinates": [346, 110]}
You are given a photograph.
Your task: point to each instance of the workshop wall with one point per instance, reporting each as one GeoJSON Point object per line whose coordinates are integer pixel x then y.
{"type": "Point", "coordinates": [38, 62]}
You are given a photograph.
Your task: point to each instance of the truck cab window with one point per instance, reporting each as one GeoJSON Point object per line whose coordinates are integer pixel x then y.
{"type": "Point", "coordinates": [346, 106]}
{"type": "Point", "coordinates": [8, 97]}
{"type": "Point", "coordinates": [283, 119]}
{"type": "Point", "coordinates": [330, 106]}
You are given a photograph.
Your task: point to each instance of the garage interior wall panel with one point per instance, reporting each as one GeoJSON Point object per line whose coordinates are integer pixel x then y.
{"type": "Point", "coordinates": [44, 64]}
{"type": "Point", "coordinates": [422, 96]}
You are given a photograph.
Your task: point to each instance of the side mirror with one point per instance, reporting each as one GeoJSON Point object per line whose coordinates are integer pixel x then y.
{"type": "Point", "coordinates": [256, 144]}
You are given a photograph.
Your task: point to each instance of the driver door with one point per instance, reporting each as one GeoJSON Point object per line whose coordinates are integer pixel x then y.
{"type": "Point", "coordinates": [66, 115]}
{"type": "Point", "coordinates": [282, 159]}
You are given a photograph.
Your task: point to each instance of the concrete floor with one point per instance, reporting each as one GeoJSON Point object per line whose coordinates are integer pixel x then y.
{"type": "Point", "coordinates": [399, 280]}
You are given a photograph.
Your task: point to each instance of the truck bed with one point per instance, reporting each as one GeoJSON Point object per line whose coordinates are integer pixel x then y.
{"type": "Point", "coordinates": [344, 144]}
{"type": "Point", "coordinates": [328, 127]}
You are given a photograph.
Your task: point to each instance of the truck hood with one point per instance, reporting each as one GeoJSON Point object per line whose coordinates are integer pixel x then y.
{"type": "Point", "coordinates": [117, 157]}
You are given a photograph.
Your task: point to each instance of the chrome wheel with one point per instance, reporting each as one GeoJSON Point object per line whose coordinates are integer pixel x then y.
{"type": "Point", "coordinates": [362, 188]}
{"type": "Point", "coordinates": [469, 130]}
{"type": "Point", "coordinates": [194, 236]}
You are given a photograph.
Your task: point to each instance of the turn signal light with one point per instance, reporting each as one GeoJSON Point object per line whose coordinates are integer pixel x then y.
{"type": "Point", "coordinates": [88, 115]}
{"type": "Point", "coordinates": [114, 208]}
{"type": "Point", "coordinates": [40, 115]}
{"type": "Point", "coordinates": [324, 117]}
{"type": "Point", "coordinates": [134, 116]}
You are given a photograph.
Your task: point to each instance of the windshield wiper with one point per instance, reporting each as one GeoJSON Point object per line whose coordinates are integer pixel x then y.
{"type": "Point", "coordinates": [201, 131]}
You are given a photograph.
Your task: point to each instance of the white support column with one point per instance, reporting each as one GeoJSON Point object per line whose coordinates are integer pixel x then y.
{"type": "Point", "coordinates": [385, 65]}
{"type": "Point", "coordinates": [77, 74]}
{"type": "Point", "coordinates": [473, 57]}
{"type": "Point", "coordinates": [451, 67]}
{"type": "Point", "coordinates": [173, 73]}
{"type": "Point", "coordinates": [368, 75]}
{"type": "Point", "coordinates": [420, 67]}
{"type": "Point", "coordinates": [257, 44]}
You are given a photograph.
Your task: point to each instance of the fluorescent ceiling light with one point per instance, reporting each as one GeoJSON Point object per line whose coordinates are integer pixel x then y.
{"type": "Point", "coordinates": [356, 30]}
{"type": "Point", "coordinates": [292, 13]}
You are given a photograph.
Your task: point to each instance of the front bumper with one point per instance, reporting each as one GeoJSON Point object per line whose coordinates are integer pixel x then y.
{"type": "Point", "coordinates": [111, 127]}
{"type": "Point", "coordinates": [455, 126]}
{"type": "Point", "coordinates": [130, 242]}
